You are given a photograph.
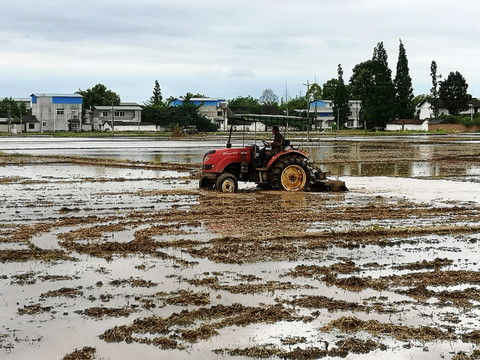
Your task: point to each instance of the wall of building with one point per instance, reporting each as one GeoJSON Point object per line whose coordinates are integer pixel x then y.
{"type": "Point", "coordinates": [425, 111]}
{"type": "Point", "coordinates": [31, 127]}
{"type": "Point", "coordinates": [56, 112]}
{"type": "Point", "coordinates": [16, 128]}
{"type": "Point", "coordinates": [107, 126]}
{"type": "Point", "coordinates": [408, 127]}
{"type": "Point", "coordinates": [124, 113]}
{"type": "Point", "coordinates": [323, 110]}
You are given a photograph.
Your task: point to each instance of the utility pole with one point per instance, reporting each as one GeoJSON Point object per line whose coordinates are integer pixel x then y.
{"type": "Point", "coordinates": [9, 112]}
{"type": "Point", "coordinates": [286, 98]}
{"type": "Point", "coordinates": [338, 119]}
{"type": "Point", "coordinates": [307, 95]}
{"type": "Point", "coordinates": [113, 118]}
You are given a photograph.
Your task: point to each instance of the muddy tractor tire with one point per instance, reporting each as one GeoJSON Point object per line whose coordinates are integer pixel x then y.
{"type": "Point", "coordinates": [226, 183]}
{"type": "Point", "coordinates": [291, 173]}
{"type": "Point", "coordinates": [205, 183]}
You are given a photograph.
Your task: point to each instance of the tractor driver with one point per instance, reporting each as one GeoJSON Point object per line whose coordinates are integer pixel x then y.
{"type": "Point", "coordinates": [276, 146]}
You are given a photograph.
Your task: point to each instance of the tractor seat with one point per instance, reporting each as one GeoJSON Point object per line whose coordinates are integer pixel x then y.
{"type": "Point", "coordinates": [286, 144]}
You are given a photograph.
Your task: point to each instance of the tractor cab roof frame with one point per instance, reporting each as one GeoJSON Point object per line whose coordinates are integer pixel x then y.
{"type": "Point", "coordinates": [243, 119]}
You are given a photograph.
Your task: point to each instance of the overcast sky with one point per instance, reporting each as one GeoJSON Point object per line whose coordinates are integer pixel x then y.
{"type": "Point", "coordinates": [226, 49]}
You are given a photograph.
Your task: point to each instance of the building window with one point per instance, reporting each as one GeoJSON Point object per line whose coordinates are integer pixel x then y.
{"type": "Point", "coordinates": [104, 113]}
{"type": "Point", "coordinates": [74, 126]}
{"type": "Point", "coordinates": [31, 126]}
{"type": "Point", "coordinates": [60, 111]}
{"type": "Point", "coordinates": [44, 123]}
{"type": "Point", "coordinates": [119, 113]}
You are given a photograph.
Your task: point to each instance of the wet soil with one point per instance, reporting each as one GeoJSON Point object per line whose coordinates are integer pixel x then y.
{"type": "Point", "coordinates": [108, 258]}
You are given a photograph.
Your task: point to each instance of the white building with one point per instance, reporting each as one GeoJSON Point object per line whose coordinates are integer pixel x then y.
{"type": "Point", "coordinates": [322, 110]}
{"type": "Point", "coordinates": [424, 110]}
{"type": "Point", "coordinates": [408, 125]}
{"type": "Point", "coordinates": [57, 112]}
{"type": "Point", "coordinates": [129, 115]}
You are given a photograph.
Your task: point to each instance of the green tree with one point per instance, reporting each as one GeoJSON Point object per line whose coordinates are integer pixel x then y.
{"type": "Point", "coordinates": [341, 107]}
{"type": "Point", "coordinates": [314, 92]}
{"type": "Point", "coordinates": [434, 89]}
{"type": "Point", "coordinates": [156, 98]}
{"type": "Point", "coordinates": [403, 86]}
{"type": "Point", "coordinates": [98, 95]}
{"type": "Point", "coordinates": [371, 82]}
{"type": "Point", "coordinates": [269, 102]}
{"type": "Point", "coordinates": [296, 103]}
{"type": "Point", "coordinates": [169, 100]}
{"type": "Point", "coordinates": [453, 93]}
{"type": "Point", "coordinates": [9, 108]}
{"type": "Point", "coordinates": [190, 95]}
{"type": "Point", "coordinates": [183, 115]}
{"type": "Point", "coordinates": [329, 89]}
{"type": "Point", "coordinates": [362, 80]}
{"type": "Point", "coordinates": [419, 99]}
{"type": "Point", "coordinates": [244, 105]}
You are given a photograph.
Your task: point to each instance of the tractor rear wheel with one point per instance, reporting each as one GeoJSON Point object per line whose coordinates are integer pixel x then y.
{"type": "Point", "coordinates": [226, 183]}
{"type": "Point", "coordinates": [291, 173]}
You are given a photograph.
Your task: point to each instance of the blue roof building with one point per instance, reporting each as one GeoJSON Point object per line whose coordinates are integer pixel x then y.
{"type": "Point", "coordinates": [57, 112]}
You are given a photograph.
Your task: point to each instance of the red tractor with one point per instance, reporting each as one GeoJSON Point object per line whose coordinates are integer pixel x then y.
{"type": "Point", "coordinates": [290, 169]}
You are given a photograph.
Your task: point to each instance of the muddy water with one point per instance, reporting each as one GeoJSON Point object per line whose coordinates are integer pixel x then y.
{"type": "Point", "coordinates": [400, 248]}
{"type": "Point", "coordinates": [416, 156]}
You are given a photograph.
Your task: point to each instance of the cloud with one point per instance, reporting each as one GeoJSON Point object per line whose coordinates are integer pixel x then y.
{"type": "Point", "coordinates": [239, 72]}
{"type": "Point", "coordinates": [216, 47]}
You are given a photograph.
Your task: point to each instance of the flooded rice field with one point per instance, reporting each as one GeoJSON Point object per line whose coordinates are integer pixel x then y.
{"type": "Point", "coordinates": [109, 250]}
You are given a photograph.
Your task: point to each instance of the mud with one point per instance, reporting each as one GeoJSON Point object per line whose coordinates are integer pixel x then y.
{"type": "Point", "coordinates": [86, 353]}
{"type": "Point", "coordinates": [114, 258]}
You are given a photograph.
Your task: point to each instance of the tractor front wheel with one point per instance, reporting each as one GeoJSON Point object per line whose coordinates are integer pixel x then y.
{"type": "Point", "coordinates": [226, 183]}
{"type": "Point", "coordinates": [292, 173]}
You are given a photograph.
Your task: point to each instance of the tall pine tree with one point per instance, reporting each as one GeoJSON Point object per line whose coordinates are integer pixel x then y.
{"type": "Point", "coordinates": [383, 99]}
{"type": "Point", "coordinates": [434, 89]}
{"type": "Point", "coordinates": [403, 86]}
{"type": "Point", "coordinates": [341, 108]}
{"type": "Point", "coordinates": [371, 82]}
{"type": "Point", "coordinates": [156, 98]}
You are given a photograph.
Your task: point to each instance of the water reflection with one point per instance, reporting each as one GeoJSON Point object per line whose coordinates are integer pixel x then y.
{"type": "Point", "coordinates": [413, 169]}
{"type": "Point", "coordinates": [387, 156]}
{"type": "Point", "coordinates": [473, 170]}
{"type": "Point", "coordinates": [423, 169]}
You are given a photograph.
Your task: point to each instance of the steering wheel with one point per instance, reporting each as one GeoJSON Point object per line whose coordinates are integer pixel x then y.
{"type": "Point", "coordinates": [265, 143]}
